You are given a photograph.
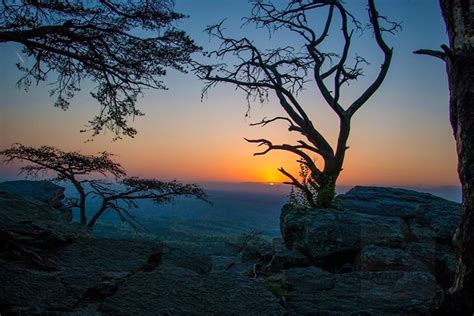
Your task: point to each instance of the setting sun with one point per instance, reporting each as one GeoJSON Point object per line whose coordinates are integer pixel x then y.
{"type": "Point", "coordinates": [279, 149]}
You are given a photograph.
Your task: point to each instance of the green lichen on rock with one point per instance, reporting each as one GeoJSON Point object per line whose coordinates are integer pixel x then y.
{"type": "Point", "coordinates": [278, 285]}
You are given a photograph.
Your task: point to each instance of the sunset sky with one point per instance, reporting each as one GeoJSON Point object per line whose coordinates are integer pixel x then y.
{"type": "Point", "coordinates": [401, 136]}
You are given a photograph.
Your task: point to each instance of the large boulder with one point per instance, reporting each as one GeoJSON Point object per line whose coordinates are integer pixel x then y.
{"type": "Point", "coordinates": [50, 265]}
{"type": "Point", "coordinates": [31, 231]}
{"type": "Point", "coordinates": [320, 233]}
{"type": "Point", "coordinates": [388, 201]}
{"type": "Point", "coordinates": [43, 191]}
{"type": "Point", "coordinates": [374, 233]}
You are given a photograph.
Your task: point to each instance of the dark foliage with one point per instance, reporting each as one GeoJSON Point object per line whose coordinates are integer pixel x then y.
{"type": "Point", "coordinates": [121, 46]}
{"type": "Point", "coordinates": [77, 169]}
{"type": "Point", "coordinates": [67, 165]}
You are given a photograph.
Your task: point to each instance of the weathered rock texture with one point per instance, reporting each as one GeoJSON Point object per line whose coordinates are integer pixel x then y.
{"type": "Point", "coordinates": [380, 251]}
{"type": "Point", "coordinates": [51, 266]}
{"type": "Point", "coordinates": [317, 292]}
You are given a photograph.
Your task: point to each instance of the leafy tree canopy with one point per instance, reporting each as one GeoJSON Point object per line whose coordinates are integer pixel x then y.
{"type": "Point", "coordinates": [79, 169]}
{"type": "Point", "coordinates": [121, 46]}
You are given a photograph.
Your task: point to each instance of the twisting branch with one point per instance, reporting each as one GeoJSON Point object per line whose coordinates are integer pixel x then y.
{"type": "Point", "coordinates": [298, 150]}
{"type": "Point", "coordinates": [76, 168]}
{"type": "Point", "coordinates": [98, 41]}
{"type": "Point", "coordinates": [286, 71]}
{"type": "Point", "coordinates": [264, 121]}
{"type": "Point", "coordinates": [133, 189]}
{"type": "Point", "coordinates": [443, 55]}
{"type": "Point", "coordinates": [387, 51]}
{"type": "Point", "coordinates": [307, 192]}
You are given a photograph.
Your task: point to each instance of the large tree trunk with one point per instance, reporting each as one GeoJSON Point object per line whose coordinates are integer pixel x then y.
{"type": "Point", "coordinates": [458, 15]}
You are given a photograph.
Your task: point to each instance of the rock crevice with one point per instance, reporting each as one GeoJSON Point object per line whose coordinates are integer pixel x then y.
{"type": "Point", "coordinates": [385, 250]}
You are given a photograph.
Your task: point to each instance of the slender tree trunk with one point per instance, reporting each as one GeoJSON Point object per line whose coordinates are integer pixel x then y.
{"type": "Point", "coordinates": [82, 209]}
{"type": "Point", "coordinates": [82, 200]}
{"type": "Point", "coordinates": [458, 15]}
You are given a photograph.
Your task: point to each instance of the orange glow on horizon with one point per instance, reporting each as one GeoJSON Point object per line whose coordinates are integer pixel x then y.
{"type": "Point", "coordinates": [401, 136]}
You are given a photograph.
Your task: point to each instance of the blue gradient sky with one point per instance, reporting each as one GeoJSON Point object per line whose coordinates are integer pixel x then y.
{"type": "Point", "coordinates": [401, 136]}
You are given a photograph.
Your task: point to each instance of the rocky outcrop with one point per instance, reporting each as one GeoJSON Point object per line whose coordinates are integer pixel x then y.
{"type": "Point", "coordinates": [43, 191]}
{"type": "Point", "coordinates": [31, 232]}
{"type": "Point", "coordinates": [51, 266]}
{"type": "Point", "coordinates": [390, 248]}
{"type": "Point", "coordinates": [391, 202]}
{"type": "Point", "coordinates": [39, 191]}
{"type": "Point", "coordinates": [329, 232]}
{"type": "Point", "coordinates": [329, 262]}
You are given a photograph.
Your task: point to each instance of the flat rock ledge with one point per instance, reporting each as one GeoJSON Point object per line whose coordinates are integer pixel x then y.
{"type": "Point", "coordinates": [381, 251]}
{"type": "Point", "coordinates": [53, 267]}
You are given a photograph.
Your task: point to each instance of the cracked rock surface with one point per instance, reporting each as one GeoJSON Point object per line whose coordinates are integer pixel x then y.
{"type": "Point", "coordinates": [51, 266]}
{"type": "Point", "coordinates": [381, 252]}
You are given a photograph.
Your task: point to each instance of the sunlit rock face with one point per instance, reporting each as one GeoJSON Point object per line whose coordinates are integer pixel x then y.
{"type": "Point", "coordinates": [393, 245]}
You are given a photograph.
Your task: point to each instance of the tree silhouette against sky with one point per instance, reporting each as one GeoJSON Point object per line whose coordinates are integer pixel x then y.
{"type": "Point", "coordinates": [79, 170]}
{"type": "Point", "coordinates": [459, 59]}
{"type": "Point", "coordinates": [121, 46]}
{"type": "Point", "coordinates": [286, 71]}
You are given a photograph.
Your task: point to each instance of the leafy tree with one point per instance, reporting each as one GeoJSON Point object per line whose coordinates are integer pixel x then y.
{"type": "Point", "coordinates": [459, 59]}
{"type": "Point", "coordinates": [121, 46]}
{"type": "Point", "coordinates": [285, 71]}
{"type": "Point", "coordinates": [76, 169]}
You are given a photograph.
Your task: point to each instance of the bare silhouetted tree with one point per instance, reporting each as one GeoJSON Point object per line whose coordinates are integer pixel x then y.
{"type": "Point", "coordinates": [459, 59]}
{"type": "Point", "coordinates": [121, 46]}
{"type": "Point", "coordinates": [77, 169]}
{"type": "Point", "coordinates": [285, 71]}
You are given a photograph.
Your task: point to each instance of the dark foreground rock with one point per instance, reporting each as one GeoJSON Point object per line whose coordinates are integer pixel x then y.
{"type": "Point", "coordinates": [51, 266]}
{"type": "Point", "coordinates": [373, 256]}
{"type": "Point", "coordinates": [315, 291]}
{"type": "Point", "coordinates": [177, 291]}
{"type": "Point", "coordinates": [43, 191]}
{"type": "Point", "coordinates": [380, 251]}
